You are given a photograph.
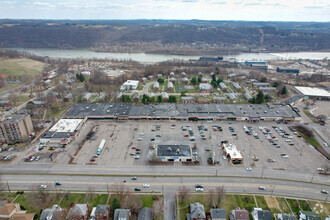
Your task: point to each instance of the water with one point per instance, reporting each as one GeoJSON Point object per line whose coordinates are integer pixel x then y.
{"type": "Point", "coordinates": [154, 58]}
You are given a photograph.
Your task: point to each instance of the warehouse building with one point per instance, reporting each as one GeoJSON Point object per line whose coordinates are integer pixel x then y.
{"type": "Point", "coordinates": [15, 128]}
{"type": "Point", "coordinates": [178, 153]}
{"type": "Point", "coordinates": [313, 92]}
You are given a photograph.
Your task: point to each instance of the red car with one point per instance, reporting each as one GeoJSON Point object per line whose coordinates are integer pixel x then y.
{"type": "Point", "coordinates": [133, 148]}
{"type": "Point", "coordinates": [186, 135]}
{"type": "Point", "coordinates": [173, 125]}
{"type": "Point", "coordinates": [92, 160]}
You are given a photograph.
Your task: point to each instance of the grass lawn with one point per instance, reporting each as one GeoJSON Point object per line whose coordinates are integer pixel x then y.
{"type": "Point", "coordinates": [55, 112]}
{"type": "Point", "coordinates": [262, 203]}
{"type": "Point", "coordinates": [272, 204]}
{"type": "Point", "coordinates": [21, 99]}
{"type": "Point", "coordinates": [72, 198]}
{"type": "Point", "coordinates": [310, 140]}
{"type": "Point", "coordinates": [294, 205]}
{"type": "Point", "coordinates": [20, 67]}
{"type": "Point", "coordinates": [320, 208]}
{"type": "Point", "coordinates": [304, 205]}
{"type": "Point", "coordinates": [284, 207]}
{"type": "Point", "coordinates": [96, 199]}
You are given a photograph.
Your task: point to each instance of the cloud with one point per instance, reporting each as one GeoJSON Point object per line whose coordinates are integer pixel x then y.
{"type": "Point", "coordinates": [44, 4]}
{"type": "Point", "coordinates": [253, 4]}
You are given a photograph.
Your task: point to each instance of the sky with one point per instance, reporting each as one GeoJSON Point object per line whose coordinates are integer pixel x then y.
{"type": "Point", "coordinates": [251, 10]}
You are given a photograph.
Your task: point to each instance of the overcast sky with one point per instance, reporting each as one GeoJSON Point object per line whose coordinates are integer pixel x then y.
{"type": "Point", "coordinates": [253, 10]}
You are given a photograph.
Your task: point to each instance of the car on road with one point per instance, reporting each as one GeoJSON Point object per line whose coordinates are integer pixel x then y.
{"type": "Point", "coordinates": [158, 135]}
{"type": "Point", "coordinates": [271, 160]}
{"type": "Point", "coordinates": [186, 135]}
{"type": "Point", "coordinates": [319, 169]}
{"type": "Point", "coordinates": [58, 183]}
{"type": "Point", "coordinates": [137, 189]}
{"type": "Point", "coordinates": [152, 139]}
{"type": "Point", "coordinates": [146, 185]}
{"type": "Point", "coordinates": [325, 144]}
{"type": "Point", "coordinates": [133, 178]}
{"type": "Point", "coordinates": [42, 186]}
{"type": "Point", "coordinates": [207, 149]}
{"type": "Point", "coordinates": [248, 169]}
{"type": "Point", "coordinates": [261, 188]}
{"type": "Point", "coordinates": [284, 156]}
{"type": "Point", "coordinates": [199, 188]}
{"type": "Point", "coordinates": [324, 191]}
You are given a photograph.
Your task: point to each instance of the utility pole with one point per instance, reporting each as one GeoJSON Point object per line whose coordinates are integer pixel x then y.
{"type": "Point", "coordinates": [8, 186]}
{"type": "Point", "coordinates": [262, 173]}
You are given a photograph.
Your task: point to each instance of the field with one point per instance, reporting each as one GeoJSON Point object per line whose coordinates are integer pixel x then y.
{"type": "Point", "coordinates": [21, 67]}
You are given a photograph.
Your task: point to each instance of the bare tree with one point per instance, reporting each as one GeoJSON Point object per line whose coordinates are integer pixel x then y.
{"type": "Point", "coordinates": [210, 198]}
{"type": "Point", "coordinates": [134, 203]}
{"type": "Point", "coordinates": [220, 194]}
{"type": "Point", "coordinates": [91, 193]}
{"type": "Point", "coordinates": [158, 208]}
{"type": "Point", "coordinates": [121, 192]}
{"type": "Point", "coordinates": [183, 193]}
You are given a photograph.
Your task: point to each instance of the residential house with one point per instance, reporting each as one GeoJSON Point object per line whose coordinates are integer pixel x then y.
{"type": "Point", "coordinates": [239, 214]}
{"type": "Point", "coordinates": [267, 89]}
{"type": "Point", "coordinates": [122, 214]}
{"type": "Point", "coordinates": [143, 79]}
{"type": "Point", "coordinates": [156, 86]}
{"type": "Point", "coordinates": [222, 86]}
{"type": "Point", "coordinates": [247, 96]}
{"type": "Point", "coordinates": [145, 214]}
{"type": "Point", "coordinates": [53, 213]}
{"type": "Point", "coordinates": [284, 216]}
{"type": "Point", "coordinates": [236, 86]}
{"type": "Point", "coordinates": [185, 80]}
{"type": "Point", "coordinates": [151, 77]}
{"type": "Point", "coordinates": [259, 214]}
{"type": "Point", "coordinates": [187, 99]}
{"type": "Point", "coordinates": [86, 97]}
{"type": "Point", "coordinates": [259, 84]}
{"type": "Point", "coordinates": [5, 103]}
{"type": "Point", "coordinates": [68, 97]}
{"type": "Point", "coordinates": [129, 85]}
{"type": "Point", "coordinates": [197, 212]}
{"type": "Point", "coordinates": [159, 76]}
{"type": "Point", "coordinates": [231, 96]}
{"type": "Point", "coordinates": [205, 87]}
{"type": "Point", "coordinates": [203, 101]}
{"type": "Point", "coordinates": [307, 215]}
{"type": "Point", "coordinates": [101, 97]}
{"type": "Point", "coordinates": [172, 74]}
{"type": "Point", "coordinates": [173, 80]}
{"type": "Point", "coordinates": [200, 74]}
{"type": "Point", "coordinates": [78, 212]}
{"type": "Point", "coordinates": [204, 80]}
{"type": "Point", "coordinates": [165, 96]}
{"type": "Point", "coordinates": [169, 86]}
{"type": "Point", "coordinates": [218, 214]}
{"type": "Point", "coordinates": [102, 212]}
{"type": "Point", "coordinates": [218, 99]}
{"type": "Point", "coordinates": [183, 74]}
{"type": "Point", "coordinates": [12, 211]}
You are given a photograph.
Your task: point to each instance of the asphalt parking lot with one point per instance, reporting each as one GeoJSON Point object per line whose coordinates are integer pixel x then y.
{"type": "Point", "coordinates": [121, 137]}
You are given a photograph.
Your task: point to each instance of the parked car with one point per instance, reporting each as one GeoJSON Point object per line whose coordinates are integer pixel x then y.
{"type": "Point", "coordinates": [248, 169]}
{"type": "Point", "coordinates": [271, 160]}
{"type": "Point", "coordinates": [319, 169]}
{"type": "Point", "coordinates": [136, 157]}
{"type": "Point", "coordinates": [37, 158]}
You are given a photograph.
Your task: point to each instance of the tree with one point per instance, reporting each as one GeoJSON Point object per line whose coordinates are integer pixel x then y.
{"type": "Point", "coordinates": [183, 94]}
{"type": "Point", "coordinates": [115, 204]}
{"type": "Point", "coordinates": [145, 99]}
{"type": "Point", "coordinates": [121, 192]}
{"type": "Point", "coordinates": [193, 81]}
{"type": "Point", "coordinates": [214, 83]}
{"type": "Point", "coordinates": [268, 98]}
{"type": "Point", "coordinates": [158, 208]}
{"type": "Point", "coordinates": [263, 79]}
{"type": "Point", "coordinates": [260, 97]}
{"type": "Point", "coordinates": [125, 98]}
{"type": "Point", "coordinates": [275, 84]}
{"type": "Point", "coordinates": [214, 78]}
{"type": "Point", "coordinates": [253, 100]}
{"type": "Point", "coordinates": [284, 90]}
{"type": "Point", "coordinates": [134, 203]}
{"type": "Point", "coordinates": [219, 80]}
{"type": "Point", "coordinates": [199, 80]}
{"type": "Point", "coordinates": [210, 198]}
{"type": "Point", "coordinates": [160, 80]}
{"type": "Point", "coordinates": [172, 99]}
{"type": "Point", "coordinates": [220, 194]}
{"type": "Point", "coordinates": [159, 99]}
{"type": "Point", "coordinates": [152, 99]}
{"type": "Point", "coordinates": [217, 70]}
{"type": "Point", "coordinates": [183, 193]}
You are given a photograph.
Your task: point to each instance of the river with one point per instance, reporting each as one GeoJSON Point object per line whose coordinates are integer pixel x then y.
{"type": "Point", "coordinates": [154, 58]}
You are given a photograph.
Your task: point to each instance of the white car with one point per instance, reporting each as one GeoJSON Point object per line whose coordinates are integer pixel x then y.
{"type": "Point", "coordinates": [199, 189]}
{"type": "Point", "coordinates": [42, 186]}
{"type": "Point", "coordinates": [146, 185]}
{"type": "Point", "coordinates": [249, 169]}
{"type": "Point", "coordinates": [261, 188]}
{"type": "Point", "coordinates": [319, 169]}
{"type": "Point", "coordinates": [38, 158]}
{"type": "Point", "coordinates": [325, 144]}
{"type": "Point", "coordinates": [324, 191]}
{"type": "Point", "coordinates": [136, 157]}
{"type": "Point", "coordinates": [284, 156]}
{"type": "Point", "coordinates": [224, 157]}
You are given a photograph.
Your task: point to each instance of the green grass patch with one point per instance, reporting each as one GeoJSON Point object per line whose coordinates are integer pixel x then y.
{"type": "Point", "coordinates": [96, 199]}
{"type": "Point", "coordinates": [283, 206]}
{"type": "Point", "coordinates": [262, 203]}
{"type": "Point", "coordinates": [72, 198]}
{"type": "Point", "coordinates": [148, 200]}
{"type": "Point", "coordinates": [310, 140]}
{"type": "Point", "coordinates": [304, 205]}
{"type": "Point", "coordinates": [21, 67]}
{"type": "Point", "coordinates": [21, 99]}
{"type": "Point", "coordinates": [294, 205]}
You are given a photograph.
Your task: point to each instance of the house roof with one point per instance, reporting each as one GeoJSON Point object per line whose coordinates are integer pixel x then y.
{"type": "Point", "coordinates": [218, 213]}
{"type": "Point", "coordinates": [102, 210]}
{"type": "Point", "coordinates": [7, 209]}
{"type": "Point", "coordinates": [197, 211]}
{"type": "Point", "coordinates": [241, 214]}
{"type": "Point", "coordinates": [78, 210]}
{"type": "Point", "coordinates": [22, 216]}
{"type": "Point", "coordinates": [122, 214]}
{"type": "Point", "coordinates": [264, 215]}
{"type": "Point", "coordinates": [145, 214]}
{"type": "Point", "coordinates": [288, 216]}
{"type": "Point", "coordinates": [310, 215]}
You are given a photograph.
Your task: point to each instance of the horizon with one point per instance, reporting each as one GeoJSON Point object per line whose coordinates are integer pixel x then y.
{"type": "Point", "coordinates": [209, 10]}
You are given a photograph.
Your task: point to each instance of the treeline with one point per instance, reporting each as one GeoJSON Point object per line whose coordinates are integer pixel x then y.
{"type": "Point", "coordinates": [145, 36]}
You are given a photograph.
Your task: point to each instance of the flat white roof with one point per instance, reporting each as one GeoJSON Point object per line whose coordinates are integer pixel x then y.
{"type": "Point", "coordinates": [231, 149]}
{"type": "Point", "coordinates": [66, 125]}
{"type": "Point", "coordinates": [310, 91]}
{"type": "Point", "coordinates": [131, 83]}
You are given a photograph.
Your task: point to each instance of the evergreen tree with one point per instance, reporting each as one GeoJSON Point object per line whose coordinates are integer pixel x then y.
{"type": "Point", "coordinates": [193, 81]}
{"type": "Point", "coordinates": [172, 99]}
{"type": "Point", "coordinates": [115, 204]}
{"type": "Point", "coordinates": [199, 80]}
{"type": "Point", "coordinates": [145, 98]}
{"type": "Point", "coordinates": [160, 80]}
{"type": "Point", "coordinates": [159, 98]}
{"type": "Point", "coordinates": [275, 84]}
{"type": "Point", "coordinates": [284, 90]}
{"type": "Point", "coordinates": [260, 97]}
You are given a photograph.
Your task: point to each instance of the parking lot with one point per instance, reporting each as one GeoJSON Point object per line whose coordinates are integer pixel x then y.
{"type": "Point", "coordinates": [123, 137]}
